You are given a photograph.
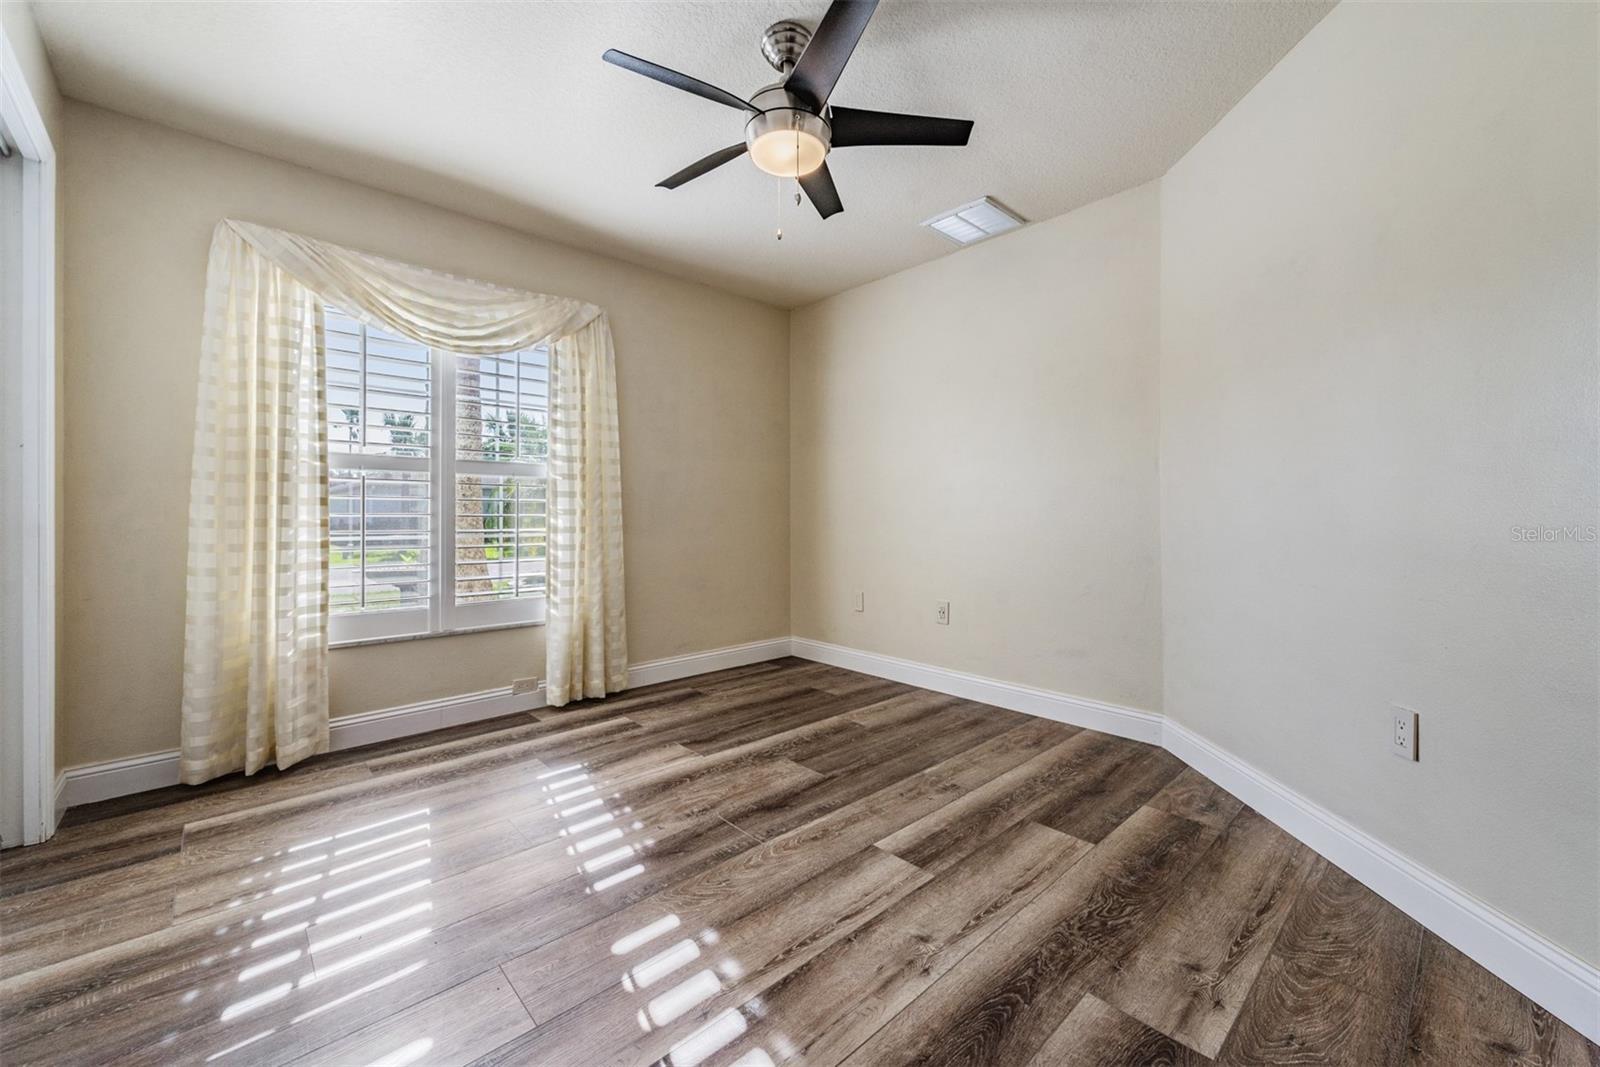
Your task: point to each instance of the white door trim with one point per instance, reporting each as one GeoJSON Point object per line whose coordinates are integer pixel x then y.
{"type": "Point", "coordinates": [33, 368]}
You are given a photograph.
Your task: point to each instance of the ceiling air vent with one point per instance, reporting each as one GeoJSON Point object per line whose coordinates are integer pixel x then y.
{"type": "Point", "coordinates": [973, 222]}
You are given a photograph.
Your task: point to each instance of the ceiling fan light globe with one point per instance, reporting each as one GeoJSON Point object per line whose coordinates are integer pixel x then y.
{"type": "Point", "coordinates": [787, 142]}
{"type": "Point", "coordinates": [788, 154]}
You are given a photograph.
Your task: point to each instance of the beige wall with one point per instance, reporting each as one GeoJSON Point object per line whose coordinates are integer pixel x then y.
{"type": "Point", "coordinates": [1378, 358]}
{"type": "Point", "coordinates": [1377, 326]}
{"type": "Point", "coordinates": [703, 397]}
{"type": "Point", "coordinates": [982, 429]}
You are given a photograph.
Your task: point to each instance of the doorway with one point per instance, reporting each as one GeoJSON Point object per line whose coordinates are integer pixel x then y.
{"type": "Point", "coordinates": [11, 521]}
{"type": "Point", "coordinates": [27, 463]}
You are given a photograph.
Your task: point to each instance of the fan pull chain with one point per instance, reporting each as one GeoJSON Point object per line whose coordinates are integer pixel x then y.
{"type": "Point", "coordinates": [796, 168]}
{"type": "Point", "coordinates": [779, 230]}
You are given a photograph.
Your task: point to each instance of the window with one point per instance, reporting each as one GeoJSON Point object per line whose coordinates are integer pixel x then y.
{"type": "Point", "coordinates": [437, 472]}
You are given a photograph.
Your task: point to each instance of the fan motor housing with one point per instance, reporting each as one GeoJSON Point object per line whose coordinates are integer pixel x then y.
{"type": "Point", "coordinates": [789, 118]}
{"type": "Point", "coordinates": [786, 138]}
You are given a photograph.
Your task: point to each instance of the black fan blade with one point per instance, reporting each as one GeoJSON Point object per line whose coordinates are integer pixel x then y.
{"type": "Point", "coordinates": [704, 166]}
{"type": "Point", "coordinates": [853, 126]}
{"type": "Point", "coordinates": [820, 65]}
{"type": "Point", "coordinates": [819, 188]}
{"type": "Point", "coordinates": [678, 81]}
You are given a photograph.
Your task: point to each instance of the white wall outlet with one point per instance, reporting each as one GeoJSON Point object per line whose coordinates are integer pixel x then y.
{"type": "Point", "coordinates": [859, 601]}
{"type": "Point", "coordinates": [1403, 733]}
{"type": "Point", "coordinates": [524, 685]}
{"type": "Point", "coordinates": [941, 612]}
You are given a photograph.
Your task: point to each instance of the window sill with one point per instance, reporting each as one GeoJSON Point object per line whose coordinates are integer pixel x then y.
{"type": "Point", "coordinates": [362, 641]}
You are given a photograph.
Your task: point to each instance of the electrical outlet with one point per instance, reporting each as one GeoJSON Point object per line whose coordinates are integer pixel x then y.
{"type": "Point", "coordinates": [524, 685]}
{"type": "Point", "coordinates": [859, 603]}
{"type": "Point", "coordinates": [941, 612]}
{"type": "Point", "coordinates": [1403, 733]}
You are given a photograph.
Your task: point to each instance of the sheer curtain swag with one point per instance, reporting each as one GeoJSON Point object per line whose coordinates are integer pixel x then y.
{"type": "Point", "coordinates": [255, 688]}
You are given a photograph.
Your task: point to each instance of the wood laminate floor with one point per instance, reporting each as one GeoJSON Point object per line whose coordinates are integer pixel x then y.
{"type": "Point", "coordinates": [784, 863]}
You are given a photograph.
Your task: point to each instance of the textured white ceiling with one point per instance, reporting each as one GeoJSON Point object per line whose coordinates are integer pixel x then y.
{"type": "Point", "coordinates": [506, 112]}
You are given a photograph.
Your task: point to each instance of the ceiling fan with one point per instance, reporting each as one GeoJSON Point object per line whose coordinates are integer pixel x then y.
{"type": "Point", "coordinates": [791, 125]}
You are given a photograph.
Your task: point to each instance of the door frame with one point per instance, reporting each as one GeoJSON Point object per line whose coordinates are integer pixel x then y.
{"type": "Point", "coordinates": [31, 369]}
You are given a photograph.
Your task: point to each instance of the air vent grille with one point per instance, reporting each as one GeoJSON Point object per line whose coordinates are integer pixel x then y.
{"type": "Point", "coordinates": [973, 222]}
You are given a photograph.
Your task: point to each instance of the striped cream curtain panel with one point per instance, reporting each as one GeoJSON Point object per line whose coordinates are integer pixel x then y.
{"type": "Point", "coordinates": [255, 687]}
{"type": "Point", "coordinates": [586, 649]}
{"type": "Point", "coordinates": [255, 669]}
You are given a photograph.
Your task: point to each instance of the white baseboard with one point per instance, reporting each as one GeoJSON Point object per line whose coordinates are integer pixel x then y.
{"type": "Point", "coordinates": [719, 659]}
{"type": "Point", "coordinates": [114, 778]}
{"type": "Point", "coordinates": [1547, 974]}
{"type": "Point", "coordinates": [1078, 711]}
{"type": "Point", "coordinates": [117, 778]}
{"type": "Point", "coordinates": [370, 727]}
{"type": "Point", "coordinates": [1542, 971]}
